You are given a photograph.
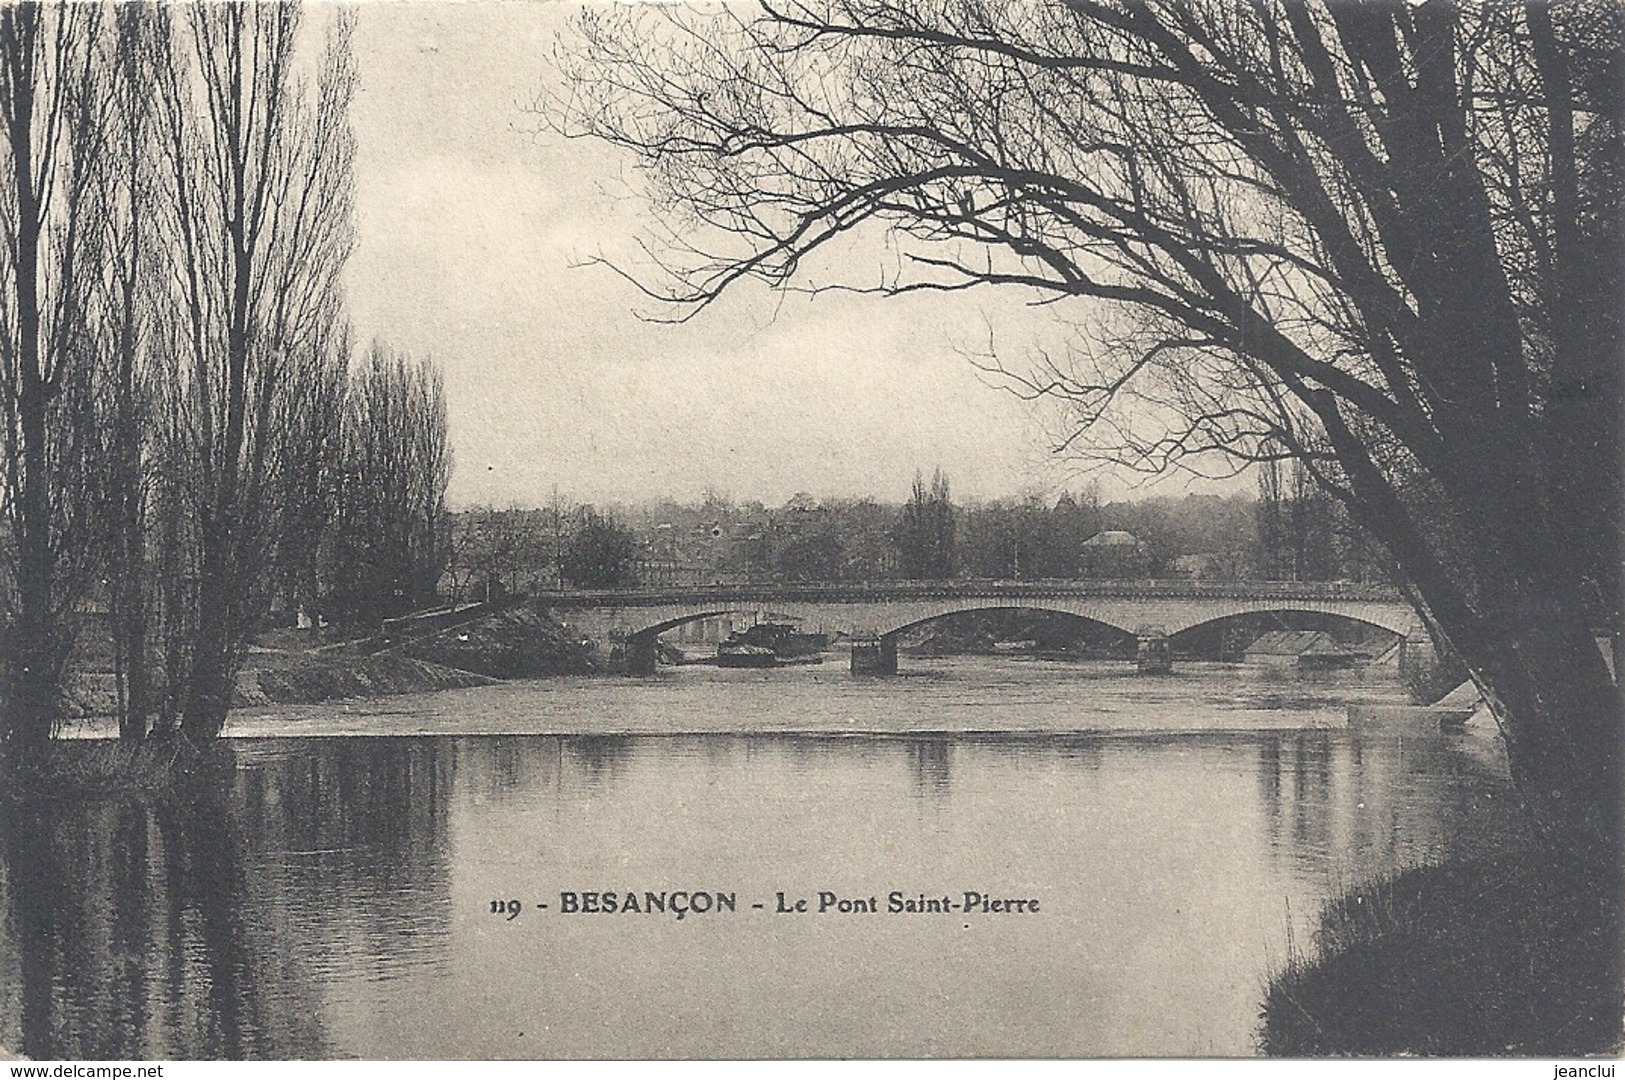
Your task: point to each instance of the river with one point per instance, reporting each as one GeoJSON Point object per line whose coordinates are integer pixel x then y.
{"type": "Point", "coordinates": [1178, 834]}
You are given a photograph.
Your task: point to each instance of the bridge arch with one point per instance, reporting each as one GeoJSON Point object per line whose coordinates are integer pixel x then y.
{"type": "Point", "coordinates": [673, 622]}
{"type": "Point", "coordinates": [995, 605]}
{"type": "Point", "coordinates": [1402, 623]}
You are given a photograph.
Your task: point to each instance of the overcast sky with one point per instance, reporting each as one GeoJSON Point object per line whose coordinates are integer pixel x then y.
{"type": "Point", "coordinates": [472, 227]}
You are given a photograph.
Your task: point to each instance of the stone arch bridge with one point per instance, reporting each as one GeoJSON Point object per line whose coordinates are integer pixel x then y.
{"type": "Point", "coordinates": [874, 615]}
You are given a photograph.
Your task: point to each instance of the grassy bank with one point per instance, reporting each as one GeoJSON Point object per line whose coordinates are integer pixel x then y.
{"type": "Point", "coordinates": [1517, 953]}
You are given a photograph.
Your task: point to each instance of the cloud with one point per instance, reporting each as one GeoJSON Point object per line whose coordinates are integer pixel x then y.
{"type": "Point", "coordinates": [472, 229]}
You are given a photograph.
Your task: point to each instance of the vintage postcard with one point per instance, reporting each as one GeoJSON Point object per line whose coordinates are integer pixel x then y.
{"type": "Point", "coordinates": [812, 529]}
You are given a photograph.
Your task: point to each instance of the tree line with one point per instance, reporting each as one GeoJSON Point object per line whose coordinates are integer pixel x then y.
{"type": "Point", "coordinates": [187, 441]}
{"type": "Point", "coordinates": [1288, 530]}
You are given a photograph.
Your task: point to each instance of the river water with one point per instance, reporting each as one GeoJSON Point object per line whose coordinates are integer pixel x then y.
{"type": "Point", "coordinates": [1179, 835]}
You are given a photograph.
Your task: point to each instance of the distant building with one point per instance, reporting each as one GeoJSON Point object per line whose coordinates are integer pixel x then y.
{"type": "Point", "coordinates": [1112, 553]}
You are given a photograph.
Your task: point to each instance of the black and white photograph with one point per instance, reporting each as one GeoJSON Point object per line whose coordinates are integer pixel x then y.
{"type": "Point", "coordinates": [811, 529]}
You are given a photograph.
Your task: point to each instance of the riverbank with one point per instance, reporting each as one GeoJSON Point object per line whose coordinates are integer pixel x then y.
{"type": "Point", "coordinates": [1513, 953]}
{"type": "Point", "coordinates": [303, 677]}
{"type": "Point", "coordinates": [283, 669]}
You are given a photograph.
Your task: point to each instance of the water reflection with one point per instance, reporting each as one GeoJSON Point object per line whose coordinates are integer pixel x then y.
{"type": "Point", "coordinates": [931, 763]}
{"type": "Point", "coordinates": [1356, 804]}
{"type": "Point", "coordinates": [139, 939]}
{"type": "Point", "coordinates": [333, 899]}
{"type": "Point", "coordinates": [599, 759]}
{"type": "Point", "coordinates": [211, 927]}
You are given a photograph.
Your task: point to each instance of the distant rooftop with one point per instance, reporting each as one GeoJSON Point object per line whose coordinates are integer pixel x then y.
{"type": "Point", "coordinates": [1112, 538]}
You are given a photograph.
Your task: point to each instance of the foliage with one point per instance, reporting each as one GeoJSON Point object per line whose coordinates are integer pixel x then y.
{"type": "Point", "coordinates": [1027, 539]}
{"type": "Point", "coordinates": [55, 112]}
{"type": "Point", "coordinates": [806, 543]}
{"type": "Point", "coordinates": [499, 553]}
{"type": "Point", "coordinates": [390, 536]}
{"type": "Point", "coordinates": [1306, 535]}
{"type": "Point", "coordinates": [601, 553]}
{"type": "Point", "coordinates": [1205, 536]}
{"type": "Point", "coordinates": [925, 533]}
{"type": "Point", "coordinates": [1517, 954]}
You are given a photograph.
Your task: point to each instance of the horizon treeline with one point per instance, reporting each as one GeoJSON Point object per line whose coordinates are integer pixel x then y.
{"type": "Point", "coordinates": [1289, 530]}
{"type": "Point", "coordinates": [188, 444]}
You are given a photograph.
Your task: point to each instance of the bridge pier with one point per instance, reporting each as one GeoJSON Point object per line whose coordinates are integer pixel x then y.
{"type": "Point", "coordinates": [1417, 654]}
{"type": "Point", "coordinates": [642, 654]}
{"type": "Point", "coordinates": [877, 656]}
{"type": "Point", "coordinates": [1153, 656]}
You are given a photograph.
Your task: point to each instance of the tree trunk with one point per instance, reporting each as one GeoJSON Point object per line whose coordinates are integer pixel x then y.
{"type": "Point", "coordinates": [129, 601]}
{"type": "Point", "coordinates": [32, 698]}
{"type": "Point", "coordinates": [1561, 714]}
{"type": "Point", "coordinates": [212, 677]}
{"type": "Point", "coordinates": [32, 668]}
{"type": "Point", "coordinates": [131, 628]}
{"type": "Point", "coordinates": [209, 689]}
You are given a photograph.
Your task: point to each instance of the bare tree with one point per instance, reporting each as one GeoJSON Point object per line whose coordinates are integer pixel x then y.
{"type": "Point", "coordinates": [53, 104]}
{"type": "Point", "coordinates": [392, 536]}
{"type": "Point", "coordinates": [601, 553]}
{"type": "Point", "coordinates": [925, 530]}
{"type": "Point", "coordinates": [126, 301]}
{"type": "Point", "coordinates": [492, 548]}
{"type": "Point", "coordinates": [1380, 238]}
{"type": "Point", "coordinates": [310, 475]}
{"type": "Point", "coordinates": [259, 195]}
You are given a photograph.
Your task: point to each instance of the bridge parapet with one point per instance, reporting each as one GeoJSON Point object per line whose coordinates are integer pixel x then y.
{"type": "Point", "coordinates": [736, 595]}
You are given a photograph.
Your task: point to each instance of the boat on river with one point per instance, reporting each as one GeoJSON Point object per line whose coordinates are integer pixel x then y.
{"type": "Point", "coordinates": [1329, 659]}
{"type": "Point", "coordinates": [770, 644]}
{"type": "Point", "coordinates": [738, 654]}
